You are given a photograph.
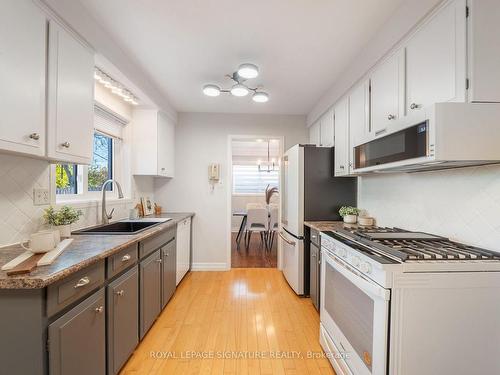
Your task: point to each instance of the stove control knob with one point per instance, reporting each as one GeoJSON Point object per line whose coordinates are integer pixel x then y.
{"type": "Point", "coordinates": [356, 261]}
{"type": "Point", "coordinates": [366, 268]}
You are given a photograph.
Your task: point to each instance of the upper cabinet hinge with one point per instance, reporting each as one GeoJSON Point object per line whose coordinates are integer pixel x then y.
{"type": "Point", "coordinates": [467, 83]}
{"type": "Point", "coordinates": [467, 11]}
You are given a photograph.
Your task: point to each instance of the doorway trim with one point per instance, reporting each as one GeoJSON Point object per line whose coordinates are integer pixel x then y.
{"type": "Point", "coordinates": [229, 196]}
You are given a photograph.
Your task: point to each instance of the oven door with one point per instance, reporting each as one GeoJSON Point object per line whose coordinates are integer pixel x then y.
{"type": "Point", "coordinates": [355, 313]}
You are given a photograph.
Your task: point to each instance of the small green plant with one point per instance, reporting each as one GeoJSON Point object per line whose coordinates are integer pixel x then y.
{"type": "Point", "coordinates": [348, 210]}
{"type": "Point", "coordinates": [64, 216]}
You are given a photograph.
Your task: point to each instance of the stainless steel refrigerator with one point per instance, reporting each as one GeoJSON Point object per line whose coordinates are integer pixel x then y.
{"type": "Point", "coordinates": [310, 192]}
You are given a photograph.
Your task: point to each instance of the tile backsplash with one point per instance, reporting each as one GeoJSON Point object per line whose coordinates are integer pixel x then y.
{"type": "Point", "coordinates": [462, 204]}
{"type": "Point", "coordinates": [19, 217]}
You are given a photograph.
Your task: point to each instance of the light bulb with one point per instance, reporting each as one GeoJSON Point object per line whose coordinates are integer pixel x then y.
{"type": "Point", "coordinates": [211, 90]}
{"type": "Point", "coordinates": [239, 90]}
{"type": "Point", "coordinates": [260, 97]}
{"type": "Point", "coordinates": [248, 71]}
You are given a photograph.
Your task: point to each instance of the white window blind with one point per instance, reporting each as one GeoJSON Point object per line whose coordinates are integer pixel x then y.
{"type": "Point", "coordinates": [108, 123]}
{"type": "Point", "coordinates": [248, 180]}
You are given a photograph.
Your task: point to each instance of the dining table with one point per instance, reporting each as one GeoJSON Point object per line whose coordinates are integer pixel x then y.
{"type": "Point", "coordinates": [244, 215]}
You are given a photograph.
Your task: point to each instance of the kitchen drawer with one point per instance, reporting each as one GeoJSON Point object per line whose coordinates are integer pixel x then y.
{"type": "Point", "coordinates": [315, 237]}
{"type": "Point", "coordinates": [121, 261]}
{"type": "Point", "coordinates": [74, 287]}
{"type": "Point", "coordinates": [154, 243]}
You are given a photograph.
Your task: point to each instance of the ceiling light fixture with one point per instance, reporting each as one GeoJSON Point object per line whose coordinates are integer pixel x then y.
{"type": "Point", "coordinates": [239, 88]}
{"type": "Point", "coordinates": [270, 164]}
{"type": "Point", "coordinates": [116, 87]}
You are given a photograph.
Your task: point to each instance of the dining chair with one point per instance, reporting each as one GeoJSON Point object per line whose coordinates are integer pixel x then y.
{"type": "Point", "coordinates": [257, 221]}
{"type": "Point", "coordinates": [273, 223]}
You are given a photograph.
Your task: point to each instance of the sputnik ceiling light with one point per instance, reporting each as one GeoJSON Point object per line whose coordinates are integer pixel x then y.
{"type": "Point", "coordinates": [115, 87]}
{"type": "Point", "coordinates": [240, 88]}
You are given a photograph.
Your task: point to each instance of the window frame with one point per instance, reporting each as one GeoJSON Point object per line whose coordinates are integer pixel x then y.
{"type": "Point", "coordinates": [87, 195]}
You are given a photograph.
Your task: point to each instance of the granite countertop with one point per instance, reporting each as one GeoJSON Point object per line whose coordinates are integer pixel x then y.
{"type": "Point", "coordinates": [82, 252]}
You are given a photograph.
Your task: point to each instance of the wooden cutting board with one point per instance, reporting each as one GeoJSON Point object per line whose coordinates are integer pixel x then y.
{"type": "Point", "coordinates": [26, 266]}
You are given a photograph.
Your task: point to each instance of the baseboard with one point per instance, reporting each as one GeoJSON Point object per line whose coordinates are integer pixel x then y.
{"type": "Point", "coordinates": [209, 267]}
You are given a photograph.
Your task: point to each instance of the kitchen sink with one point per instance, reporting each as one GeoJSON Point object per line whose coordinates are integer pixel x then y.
{"type": "Point", "coordinates": [123, 227]}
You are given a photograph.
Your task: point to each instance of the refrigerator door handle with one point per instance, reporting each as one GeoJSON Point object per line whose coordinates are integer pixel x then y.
{"type": "Point", "coordinates": [291, 243]}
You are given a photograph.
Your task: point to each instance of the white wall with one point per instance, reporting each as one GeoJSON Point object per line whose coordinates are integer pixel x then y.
{"type": "Point", "coordinates": [19, 175]}
{"type": "Point", "coordinates": [463, 204]}
{"type": "Point", "coordinates": [201, 139]}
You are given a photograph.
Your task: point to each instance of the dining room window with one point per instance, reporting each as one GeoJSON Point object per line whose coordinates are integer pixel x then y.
{"type": "Point", "coordinates": [248, 179]}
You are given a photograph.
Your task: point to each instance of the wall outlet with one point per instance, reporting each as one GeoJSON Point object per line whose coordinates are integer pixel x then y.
{"type": "Point", "coordinates": [41, 197]}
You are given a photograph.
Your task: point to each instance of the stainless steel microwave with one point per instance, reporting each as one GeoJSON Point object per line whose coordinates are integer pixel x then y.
{"type": "Point", "coordinates": [409, 143]}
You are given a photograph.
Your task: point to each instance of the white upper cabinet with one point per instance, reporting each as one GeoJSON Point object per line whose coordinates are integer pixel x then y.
{"type": "Point", "coordinates": [342, 137]}
{"type": "Point", "coordinates": [387, 93]}
{"type": "Point", "coordinates": [153, 143]}
{"type": "Point", "coordinates": [71, 98]}
{"type": "Point", "coordinates": [23, 34]}
{"type": "Point", "coordinates": [359, 118]}
{"type": "Point", "coordinates": [327, 129]}
{"type": "Point", "coordinates": [314, 133]}
{"type": "Point", "coordinates": [484, 50]}
{"type": "Point", "coordinates": [436, 58]}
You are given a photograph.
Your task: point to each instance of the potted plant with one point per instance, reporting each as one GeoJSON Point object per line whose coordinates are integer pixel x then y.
{"type": "Point", "coordinates": [349, 214]}
{"type": "Point", "coordinates": [62, 219]}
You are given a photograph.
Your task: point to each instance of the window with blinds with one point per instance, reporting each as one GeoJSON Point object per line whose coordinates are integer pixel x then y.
{"type": "Point", "coordinates": [247, 179]}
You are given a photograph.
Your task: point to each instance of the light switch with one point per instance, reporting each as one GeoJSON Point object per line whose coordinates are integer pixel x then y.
{"type": "Point", "coordinates": [41, 197]}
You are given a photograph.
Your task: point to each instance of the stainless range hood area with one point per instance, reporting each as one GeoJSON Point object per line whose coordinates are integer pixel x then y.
{"type": "Point", "coordinates": [452, 135]}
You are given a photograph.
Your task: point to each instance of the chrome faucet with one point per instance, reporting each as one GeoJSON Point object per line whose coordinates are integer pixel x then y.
{"type": "Point", "coordinates": [105, 216]}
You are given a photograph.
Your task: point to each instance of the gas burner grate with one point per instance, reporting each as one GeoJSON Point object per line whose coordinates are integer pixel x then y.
{"type": "Point", "coordinates": [438, 250]}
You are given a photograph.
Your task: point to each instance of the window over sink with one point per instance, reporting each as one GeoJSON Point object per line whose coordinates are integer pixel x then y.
{"type": "Point", "coordinates": [84, 182]}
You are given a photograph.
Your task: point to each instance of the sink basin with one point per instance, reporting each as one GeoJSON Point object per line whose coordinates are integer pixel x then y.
{"type": "Point", "coordinates": [122, 227]}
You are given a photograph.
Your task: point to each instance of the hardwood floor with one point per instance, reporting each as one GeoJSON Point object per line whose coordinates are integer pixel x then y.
{"type": "Point", "coordinates": [242, 313]}
{"type": "Point", "coordinates": [255, 256]}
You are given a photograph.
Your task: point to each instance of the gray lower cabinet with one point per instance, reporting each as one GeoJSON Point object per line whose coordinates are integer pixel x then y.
{"type": "Point", "coordinates": [123, 319]}
{"type": "Point", "coordinates": [169, 271]}
{"type": "Point", "coordinates": [314, 275]}
{"type": "Point", "coordinates": [77, 339]}
{"type": "Point", "coordinates": [150, 291]}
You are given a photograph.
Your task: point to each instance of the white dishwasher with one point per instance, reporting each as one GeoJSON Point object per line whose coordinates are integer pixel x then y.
{"type": "Point", "coordinates": [183, 248]}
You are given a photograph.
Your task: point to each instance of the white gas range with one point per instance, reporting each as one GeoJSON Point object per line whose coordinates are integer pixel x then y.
{"type": "Point", "coordinates": [407, 303]}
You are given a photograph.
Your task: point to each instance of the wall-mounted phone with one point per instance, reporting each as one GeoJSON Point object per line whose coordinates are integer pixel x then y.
{"type": "Point", "coordinates": [214, 172]}
{"type": "Point", "coordinates": [213, 175]}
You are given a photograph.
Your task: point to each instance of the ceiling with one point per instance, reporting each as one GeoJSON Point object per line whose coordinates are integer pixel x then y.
{"type": "Point", "coordinates": [300, 46]}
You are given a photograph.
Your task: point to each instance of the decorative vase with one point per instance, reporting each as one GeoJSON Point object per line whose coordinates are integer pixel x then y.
{"type": "Point", "coordinates": [350, 219]}
{"type": "Point", "coordinates": [65, 230]}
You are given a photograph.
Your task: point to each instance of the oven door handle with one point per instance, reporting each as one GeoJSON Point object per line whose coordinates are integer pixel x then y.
{"type": "Point", "coordinates": [357, 278]}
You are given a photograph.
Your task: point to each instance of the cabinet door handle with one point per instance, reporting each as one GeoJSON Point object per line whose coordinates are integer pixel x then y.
{"type": "Point", "coordinates": [82, 282]}
{"type": "Point", "coordinates": [126, 258]}
{"type": "Point", "coordinates": [65, 144]}
{"type": "Point", "coordinates": [120, 293]}
{"type": "Point", "coordinates": [166, 254]}
{"type": "Point", "coordinates": [313, 255]}
{"type": "Point", "coordinates": [381, 131]}
{"type": "Point", "coordinates": [99, 309]}
{"type": "Point", "coordinates": [342, 167]}
{"type": "Point", "coordinates": [34, 136]}
{"type": "Point", "coordinates": [158, 260]}
{"type": "Point", "coordinates": [414, 106]}
{"type": "Point", "coordinates": [391, 117]}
